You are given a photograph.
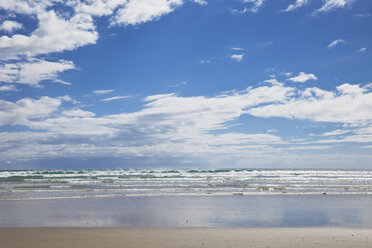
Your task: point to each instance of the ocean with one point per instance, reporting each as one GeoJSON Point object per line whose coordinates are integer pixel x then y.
{"type": "Point", "coordinates": [186, 198]}
{"type": "Point", "coordinates": [65, 184]}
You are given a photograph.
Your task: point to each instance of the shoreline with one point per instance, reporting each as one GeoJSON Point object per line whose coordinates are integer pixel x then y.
{"type": "Point", "coordinates": [326, 237]}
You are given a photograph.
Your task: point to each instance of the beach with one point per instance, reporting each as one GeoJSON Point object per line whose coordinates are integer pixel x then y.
{"type": "Point", "coordinates": [185, 237]}
{"type": "Point", "coordinates": [225, 208]}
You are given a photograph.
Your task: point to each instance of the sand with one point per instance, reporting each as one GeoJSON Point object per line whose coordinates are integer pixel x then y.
{"type": "Point", "coordinates": [185, 237]}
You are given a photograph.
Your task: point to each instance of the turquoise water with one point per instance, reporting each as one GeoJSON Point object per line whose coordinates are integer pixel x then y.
{"type": "Point", "coordinates": [60, 184]}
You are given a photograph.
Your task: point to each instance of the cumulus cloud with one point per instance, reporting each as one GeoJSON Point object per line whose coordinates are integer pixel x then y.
{"type": "Point", "coordinates": [23, 111]}
{"type": "Point", "coordinates": [348, 104]}
{"type": "Point", "coordinates": [33, 71]}
{"type": "Point", "coordinates": [237, 57]}
{"type": "Point", "coordinates": [96, 7]}
{"type": "Point", "coordinates": [335, 43]}
{"type": "Point", "coordinates": [26, 6]}
{"type": "Point", "coordinates": [362, 50]}
{"type": "Point", "coordinates": [54, 34]}
{"type": "Point", "coordinates": [298, 4]}
{"type": "Point", "coordinates": [303, 77]}
{"type": "Point", "coordinates": [10, 26]}
{"type": "Point", "coordinates": [135, 12]}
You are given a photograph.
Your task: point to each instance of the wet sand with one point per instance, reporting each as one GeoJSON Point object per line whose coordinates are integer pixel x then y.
{"type": "Point", "coordinates": [50, 237]}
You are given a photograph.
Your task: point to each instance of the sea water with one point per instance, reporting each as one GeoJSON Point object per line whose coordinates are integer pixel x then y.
{"type": "Point", "coordinates": [186, 198]}
{"type": "Point", "coordinates": [60, 184]}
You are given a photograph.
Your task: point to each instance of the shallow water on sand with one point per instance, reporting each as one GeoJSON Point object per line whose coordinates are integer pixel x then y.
{"type": "Point", "coordinates": [193, 211]}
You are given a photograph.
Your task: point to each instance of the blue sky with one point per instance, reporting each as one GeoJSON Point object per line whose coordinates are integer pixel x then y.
{"type": "Point", "coordinates": [176, 83]}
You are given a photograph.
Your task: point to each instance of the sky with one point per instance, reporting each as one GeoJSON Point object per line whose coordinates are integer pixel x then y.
{"type": "Point", "coordinates": [185, 84]}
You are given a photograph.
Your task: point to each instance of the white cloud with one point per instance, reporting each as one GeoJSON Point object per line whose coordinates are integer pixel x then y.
{"type": "Point", "coordinates": [8, 72]}
{"type": "Point", "coordinates": [10, 26]}
{"type": "Point", "coordinates": [26, 109]}
{"type": "Point", "coordinates": [77, 113]}
{"type": "Point", "coordinates": [179, 84]}
{"type": "Point", "coordinates": [363, 15]}
{"type": "Point", "coordinates": [100, 92]}
{"type": "Point", "coordinates": [8, 88]}
{"type": "Point", "coordinates": [172, 126]}
{"type": "Point", "coordinates": [335, 43]}
{"type": "Point", "coordinates": [333, 4]}
{"type": "Point", "coordinates": [115, 98]}
{"type": "Point", "coordinates": [61, 82]}
{"type": "Point", "coordinates": [135, 12]}
{"type": "Point", "coordinates": [54, 34]}
{"type": "Point", "coordinates": [256, 5]}
{"type": "Point", "coordinates": [287, 74]}
{"type": "Point", "coordinates": [96, 7]}
{"type": "Point", "coordinates": [237, 48]}
{"type": "Point", "coordinates": [33, 71]}
{"type": "Point", "coordinates": [348, 104]}
{"type": "Point", "coordinates": [26, 6]}
{"type": "Point", "coordinates": [362, 50]}
{"type": "Point", "coordinates": [237, 57]}
{"type": "Point", "coordinates": [205, 61]}
{"type": "Point", "coordinates": [336, 132]}
{"type": "Point", "coordinates": [303, 77]}
{"type": "Point", "coordinates": [298, 4]}
{"type": "Point", "coordinates": [201, 2]}
{"type": "Point", "coordinates": [273, 81]}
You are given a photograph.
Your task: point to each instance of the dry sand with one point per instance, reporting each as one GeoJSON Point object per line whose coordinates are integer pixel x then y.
{"type": "Point", "coordinates": [185, 237]}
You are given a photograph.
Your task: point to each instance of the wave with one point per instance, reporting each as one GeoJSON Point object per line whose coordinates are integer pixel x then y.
{"type": "Point", "coordinates": [76, 183]}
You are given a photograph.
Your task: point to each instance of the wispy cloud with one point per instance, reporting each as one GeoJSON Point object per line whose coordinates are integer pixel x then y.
{"type": "Point", "coordinates": [298, 4]}
{"type": "Point", "coordinates": [255, 5]}
{"type": "Point", "coordinates": [205, 61]}
{"type": "Point", "coordinates": [101, 92]}
{"type": "Point", "coordinates": [287, 74]}
{"type": "Point", "coordinates": [363, 15]}
{"type": "Point", "coordinates": [237, 48]}
{"type": "Point", "coordinates": [336, 43]}
{"type": "Point", "coordinates": [362, 50]}
{"type": "Point", "coordinates": [115, 98]}
{"type": "Point", "coordinates": [302, 77]}
{"type": "Point", "coordinates": [179, 84]}
{"type": "Point", "coordinates": [62, 82]}
{"type": "Point", "coordinates": [329, 5]}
